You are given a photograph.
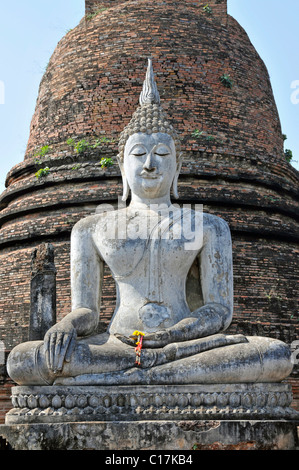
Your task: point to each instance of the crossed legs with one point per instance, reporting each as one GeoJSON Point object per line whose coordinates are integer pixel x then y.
{"type": "Point", "coordinates": [215, 359]}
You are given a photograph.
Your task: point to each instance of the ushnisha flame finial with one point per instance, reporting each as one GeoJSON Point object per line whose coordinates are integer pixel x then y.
{"type": "Point", "coordinates": [149, 117]}
{"type": "Point", "coordinates": [149, 94]}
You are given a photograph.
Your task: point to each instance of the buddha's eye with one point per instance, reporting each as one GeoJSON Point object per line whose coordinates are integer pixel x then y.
{"type": "Point", "coordinates": [162, 154]}
{"type": "Point", "coordinates": [162, 151]}
{"type": "Point", "coordinates": [138, 152]}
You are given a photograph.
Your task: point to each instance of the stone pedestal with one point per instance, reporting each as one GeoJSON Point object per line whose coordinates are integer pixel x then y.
{"type": "Point", "coordinates": [232, 416]}
{"type": "Point", "coordinates": [154, 435]}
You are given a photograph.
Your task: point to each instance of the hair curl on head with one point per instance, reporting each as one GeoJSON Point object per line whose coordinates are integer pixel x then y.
{"type": "Point", "coordinates": [148, 119]}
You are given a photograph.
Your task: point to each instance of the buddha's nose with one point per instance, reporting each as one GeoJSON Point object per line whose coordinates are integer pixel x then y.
{"type": "Point", "coordinates": [149, 163]}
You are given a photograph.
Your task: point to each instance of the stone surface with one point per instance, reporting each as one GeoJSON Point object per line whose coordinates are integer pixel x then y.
{"type": "Point", "coordinates": [43, 292]}
{"type": "Point", "coordinates": [151, 435]}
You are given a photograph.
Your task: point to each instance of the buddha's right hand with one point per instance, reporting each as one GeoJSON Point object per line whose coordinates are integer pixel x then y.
{"type": "Point", "coordinates": [59, 343]}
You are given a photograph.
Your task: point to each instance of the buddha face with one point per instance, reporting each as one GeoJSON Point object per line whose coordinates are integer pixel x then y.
{"type": "Point", "coordinates": [150, 164]}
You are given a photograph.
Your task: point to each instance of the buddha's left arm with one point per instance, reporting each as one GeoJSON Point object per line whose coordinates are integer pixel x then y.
{"type": "Point", "coordinates": [216, 270]}
{"type": "Point", "coordinates": [216, 274]}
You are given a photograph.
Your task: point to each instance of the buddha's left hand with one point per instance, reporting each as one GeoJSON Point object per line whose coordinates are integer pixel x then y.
{"type": "Point", "coordinates": [159, 339]}
{"type": "Point", "coordinates": [152, 340]}
{"type": "Point", "coordinates": [207, 320]}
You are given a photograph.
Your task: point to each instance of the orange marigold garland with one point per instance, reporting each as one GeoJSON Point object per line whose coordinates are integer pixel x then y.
{"type": "Point", "coordinates": [138, 335]}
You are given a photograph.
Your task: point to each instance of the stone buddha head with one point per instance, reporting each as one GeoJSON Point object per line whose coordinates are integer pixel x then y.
{"type": "Point", "coordinates": [149, 148]}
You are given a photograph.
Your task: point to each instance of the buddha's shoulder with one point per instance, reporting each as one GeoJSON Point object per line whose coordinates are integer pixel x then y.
{"type": "Point", "coordinates": [103, 214]}
{"type": "Point", "coordinates": [214, 222]}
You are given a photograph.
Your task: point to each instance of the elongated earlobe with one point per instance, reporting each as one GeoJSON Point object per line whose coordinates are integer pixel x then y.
{"type": "Point", "coordinates": [175, 179]}
{"type": "Point", "coordinates": [126, 188]}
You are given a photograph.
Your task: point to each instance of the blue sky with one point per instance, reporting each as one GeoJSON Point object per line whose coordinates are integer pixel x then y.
{"type": "Point", "coordinates": [30, 31]}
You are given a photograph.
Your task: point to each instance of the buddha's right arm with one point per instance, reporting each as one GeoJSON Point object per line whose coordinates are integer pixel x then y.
{"type": "Point", "coordinates": [86, 279]}
{"type": "Point", "coordinates": [83, 320]}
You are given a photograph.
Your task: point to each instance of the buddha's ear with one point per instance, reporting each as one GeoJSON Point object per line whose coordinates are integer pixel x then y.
{"type": "Point", "coordinates": [176, 176]}
{"type": "Point", "coordinates": [126, 188]}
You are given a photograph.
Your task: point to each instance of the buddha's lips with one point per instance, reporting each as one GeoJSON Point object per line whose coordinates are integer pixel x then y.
{"type": "Point", "coordinates": [146, 175]}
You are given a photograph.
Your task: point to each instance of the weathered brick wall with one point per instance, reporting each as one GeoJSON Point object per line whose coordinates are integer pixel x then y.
{"type": "Point", "coordinates": [5, 393]}
{"type": "Point", "coordinates": [219, 7]}
{"type": "Point", "coordinates": [236, 168]}
{"type": "Point", "coordinates": [5, 401]}
{"type": "Point", "coordinates": [96, 72]}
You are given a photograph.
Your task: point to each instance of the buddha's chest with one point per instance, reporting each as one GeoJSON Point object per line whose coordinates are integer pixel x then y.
{"type": "Point", "coordinates": [153, 257]}
{"type": "Point", "coordinates": [145, 246]}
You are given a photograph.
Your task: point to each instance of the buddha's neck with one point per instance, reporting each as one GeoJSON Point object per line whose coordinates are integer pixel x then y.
{"type": "Point", "coordinates": [142, 203]}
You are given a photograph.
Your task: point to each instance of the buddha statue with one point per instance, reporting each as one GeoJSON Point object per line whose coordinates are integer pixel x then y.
{"type": "Point", "coordinates": [149, 247]}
